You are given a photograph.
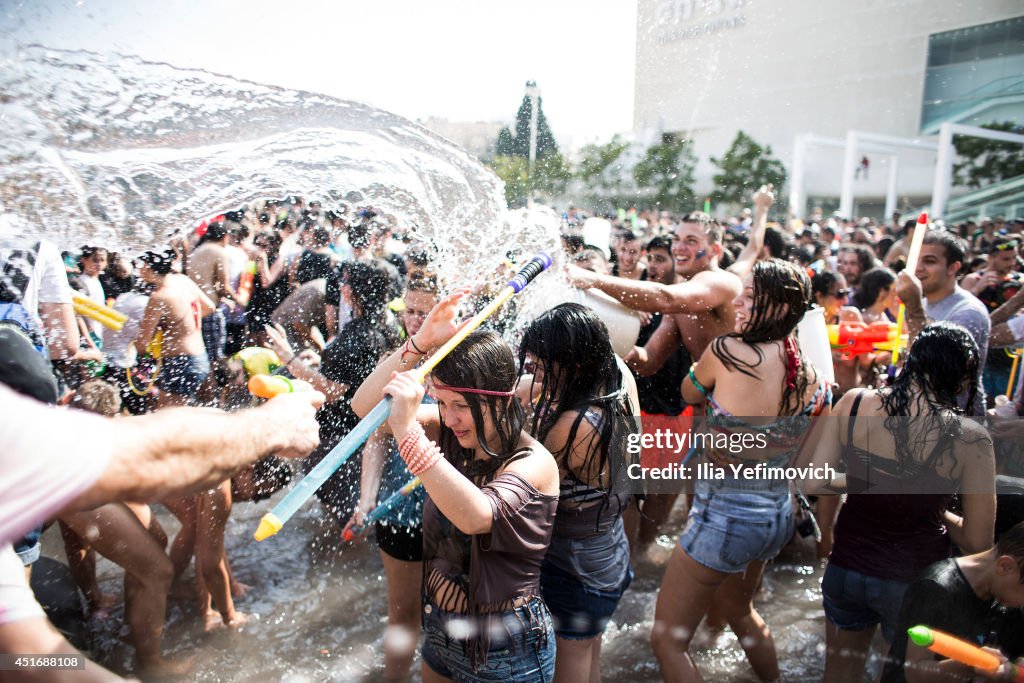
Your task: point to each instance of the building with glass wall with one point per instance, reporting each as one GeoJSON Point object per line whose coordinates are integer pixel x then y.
{"type": "Point", "coordinates": [775, 69]}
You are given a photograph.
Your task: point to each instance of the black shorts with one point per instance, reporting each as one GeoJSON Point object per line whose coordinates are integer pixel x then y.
{"type": "Point", "coordinates": [400, 542]}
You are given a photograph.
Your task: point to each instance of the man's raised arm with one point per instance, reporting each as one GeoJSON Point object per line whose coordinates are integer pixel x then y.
{"type": "Point", "coordinates": [702, 292]}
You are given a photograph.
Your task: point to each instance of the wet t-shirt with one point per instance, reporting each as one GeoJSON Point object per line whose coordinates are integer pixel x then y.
{"type": "Point", "coordinates": [942, 599]}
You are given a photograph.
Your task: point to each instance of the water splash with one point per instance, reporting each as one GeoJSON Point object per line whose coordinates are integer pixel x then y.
{"type": "Point", "coordinates": [114, 148]}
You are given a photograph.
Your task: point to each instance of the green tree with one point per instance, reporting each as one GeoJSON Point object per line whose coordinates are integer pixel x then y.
{"type": "Point", "coordinates": [744, 167]}
{"type": "Point", "coordinates": [515, 173]}
{"type": "Point", "coordinates": [545, 140]}
{"type": "Point", "coordinates": [512, 153]}
{"type": "Point", "coordinates": [985, 161]}
{"type": "Point", "coordinates": [505, 145]}
{"type": "Point", "coordinates": [550, 176]}
{"type": "Point", "coordinates": [665, 175]}
{"type": "Point", "coordinates": [600, 174]}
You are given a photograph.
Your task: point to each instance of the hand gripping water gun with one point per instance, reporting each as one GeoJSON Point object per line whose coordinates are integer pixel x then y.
{"type": "Point", "coordinates": [912, 255]}
{"type": "Point", "coordinates": [274, 520]}
{"type": "Point", "coordinates": [105, 315]}
{"type": "Point", "coordinates": [961, 651]}
{"type": "Point", "coordinates": [378, 513]}
{"type": "Point", "coordinates": [854, 339]}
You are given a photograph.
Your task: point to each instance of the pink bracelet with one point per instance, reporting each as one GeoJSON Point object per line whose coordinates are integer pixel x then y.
{"type": "Point", "coordinates": [418, 452]}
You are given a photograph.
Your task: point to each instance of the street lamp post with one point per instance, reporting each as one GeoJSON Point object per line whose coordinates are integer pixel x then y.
{"type": "Point", "coordinates": [533, 92]}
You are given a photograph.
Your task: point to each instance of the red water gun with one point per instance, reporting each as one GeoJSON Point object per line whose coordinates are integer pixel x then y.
{"type": "Point", "coordinates": [854, 339]}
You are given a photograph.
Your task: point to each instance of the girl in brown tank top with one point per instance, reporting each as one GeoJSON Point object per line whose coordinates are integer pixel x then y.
{"type": "Point", "coordinates": [493, 491]}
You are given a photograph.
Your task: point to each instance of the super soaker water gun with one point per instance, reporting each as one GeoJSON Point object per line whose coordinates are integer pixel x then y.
{"type": "Point", "coordinates": [854, 339]}
{"type": "Point", "coordinates": [269, 386]}
{"type": "Point", "coordinates": [105, 315]}
{"type": "Point", "coordinates": [961, 651]}
{"type": "Point", "coordinates": [378, 513]}
{"type": "Point", "coordinates": [273, 521]}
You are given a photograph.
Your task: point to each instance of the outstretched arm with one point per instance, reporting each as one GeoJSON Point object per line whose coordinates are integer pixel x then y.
{"type": "Point", "coordinates": [702, 292]}
{"type": "Point", "coordinates": [191, 449]}
{"type": "Point", "coordinates": [763, 199]}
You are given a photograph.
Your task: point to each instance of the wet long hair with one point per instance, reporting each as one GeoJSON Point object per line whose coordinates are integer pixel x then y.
{"type": "Point", "coordinates": [942, 360]}
{"type": "Point", "coordinates": [580, 374]}
{"type": "Point", "coordinates": [483, 361]}
{"type": "Point", "coordinates": [782, 294]}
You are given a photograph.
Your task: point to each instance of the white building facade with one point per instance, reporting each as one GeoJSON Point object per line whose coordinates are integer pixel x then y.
{"type": "Point", "coordinates": [776, 69]}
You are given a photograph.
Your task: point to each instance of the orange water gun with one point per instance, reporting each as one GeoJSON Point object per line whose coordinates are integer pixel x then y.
{"type": "Point", "coordinates": [961, 651]}
{"type": "Point", "coordinates": [854, 339]}
{"type": "Point", "coordinates": [269, 386]}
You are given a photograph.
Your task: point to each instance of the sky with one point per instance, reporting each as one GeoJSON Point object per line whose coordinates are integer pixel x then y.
{"type": "Point", "coordinates": [463, 60]}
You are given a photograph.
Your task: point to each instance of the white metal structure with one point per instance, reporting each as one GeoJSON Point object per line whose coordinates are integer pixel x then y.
{"type": "Point", "coordinates": [944, 164]}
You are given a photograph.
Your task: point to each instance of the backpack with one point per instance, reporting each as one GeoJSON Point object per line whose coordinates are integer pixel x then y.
{"type": "Point", "coordinates": [15, 315]}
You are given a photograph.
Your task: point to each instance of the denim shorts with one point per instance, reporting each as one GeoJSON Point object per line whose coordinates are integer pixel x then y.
{"type": "Point", "coordinates": [182, 375]}
{"type": "Point", "coordinates": [855, 601]}
{"type": "Point", "coordinates": [735, 522]}
{"type": "Point", "coordinates": [579, 612]}
{"type": "Point", "coordinates": [527, 656]}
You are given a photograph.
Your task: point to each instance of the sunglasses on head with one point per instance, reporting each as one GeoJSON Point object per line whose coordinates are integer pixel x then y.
{"type": "Point", "coordinates": [1006, 246]}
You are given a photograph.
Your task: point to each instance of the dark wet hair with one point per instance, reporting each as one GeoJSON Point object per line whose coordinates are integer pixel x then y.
{"type": "Point", "coordinates": [483, 361]}
{"type": "Point", "coordinates": [954, 247]}
{"type": "Point", "coordinates": [822, 282]}
{"type": "Point", "coordinates": [160, 262]}
{"type": "Point", "coordinates": [943, 357]}
{"type": "Point", "coordinates": [371, 284]}
{"type": "Point", "coordinates": [581, 375]}
{"type": "Point", "coordinates": [659, 242]}
{"type": "Point", "coordinates": [782, 294]}
{"type": "Point", "coordinates": [776, 243]}
{"type": "Point", "coordinates": [1011, 544]}
{"type": "Point", "coordinates": [89, 250]}
{"type": "Point", "coordinates": [871, 283]}
{"type": "Point", "coordinates": [421, 282]}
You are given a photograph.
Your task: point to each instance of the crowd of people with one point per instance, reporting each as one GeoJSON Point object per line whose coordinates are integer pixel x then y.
{"type": "Point", "coordinates": [519, 532]}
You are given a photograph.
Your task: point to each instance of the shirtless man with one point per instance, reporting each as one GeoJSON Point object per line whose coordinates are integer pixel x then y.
{"type": "Point", "coordinates": [209, 268]}
{"type": "Point", "coordinates": [175, 309]}
{"type": "Point", "coordinates": [699, 307]}
{"type": "Point", "coordinates": [174, 312]}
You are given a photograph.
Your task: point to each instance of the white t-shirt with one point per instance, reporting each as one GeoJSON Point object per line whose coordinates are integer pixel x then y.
{"type": "Point", "coordinates": [117, 344]}
{"type": "Point", "coordinates": [49, 457]}
{"type": "Point", "coordinates": [38, 276]}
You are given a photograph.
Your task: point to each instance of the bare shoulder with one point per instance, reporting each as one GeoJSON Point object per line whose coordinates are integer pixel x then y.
{"type": "Point", "coordinates": [538, 468]}
{"type": "Point", "coordinates": [558, 436]}
{"type": "Point", "coordinates": [975, 433]}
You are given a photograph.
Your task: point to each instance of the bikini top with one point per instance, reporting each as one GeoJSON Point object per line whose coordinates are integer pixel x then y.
{"type": "Point", "coordinates": [785, 432]}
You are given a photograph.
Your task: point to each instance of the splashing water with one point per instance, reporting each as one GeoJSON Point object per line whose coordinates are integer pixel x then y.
{"type": "Point", "coordinates": [121, 151]}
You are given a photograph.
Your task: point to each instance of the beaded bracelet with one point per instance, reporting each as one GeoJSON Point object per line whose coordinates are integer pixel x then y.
{"type": "Point", "coordinates": [418, 452]}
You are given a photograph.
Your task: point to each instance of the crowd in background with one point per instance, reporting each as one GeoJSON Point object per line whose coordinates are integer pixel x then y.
{"type": "Point", "coordinates": [324, 295]}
